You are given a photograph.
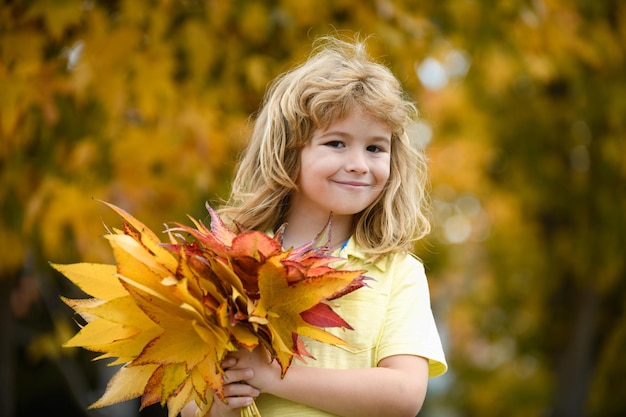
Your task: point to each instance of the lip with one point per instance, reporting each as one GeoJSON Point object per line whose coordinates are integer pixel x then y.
{"type": "Point", "coordinates": [355, 184]}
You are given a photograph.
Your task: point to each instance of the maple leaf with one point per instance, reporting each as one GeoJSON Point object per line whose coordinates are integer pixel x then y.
{"type": "Point", "coordinates": [169, 312]}
{"type": "Point", "coordinates": [282, 303]}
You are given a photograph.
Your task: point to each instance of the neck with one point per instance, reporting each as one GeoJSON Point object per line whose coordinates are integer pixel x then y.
{"type": "Point", "coordinates": [301, 229]}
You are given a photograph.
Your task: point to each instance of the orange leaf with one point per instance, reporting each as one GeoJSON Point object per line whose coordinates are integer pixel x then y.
{"type": "Point", "coordinates": [282, 303]}
{"type": "Point", "coordinates": [171, 312]}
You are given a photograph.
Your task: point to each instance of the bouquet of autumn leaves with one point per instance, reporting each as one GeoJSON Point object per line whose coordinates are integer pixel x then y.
{"type": "Point", "coordinates": [170, 312]}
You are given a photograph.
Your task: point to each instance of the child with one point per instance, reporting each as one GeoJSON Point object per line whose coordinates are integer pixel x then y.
{"type": "Point", "coordinates": [332, 137]}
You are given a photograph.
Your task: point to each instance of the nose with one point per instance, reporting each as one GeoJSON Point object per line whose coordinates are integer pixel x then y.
{"type": "Point", "coordinates": [356, 162]}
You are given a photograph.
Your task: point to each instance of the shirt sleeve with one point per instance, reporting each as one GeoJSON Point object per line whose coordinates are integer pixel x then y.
{"type": "Point", "coordinates": [410, 326]}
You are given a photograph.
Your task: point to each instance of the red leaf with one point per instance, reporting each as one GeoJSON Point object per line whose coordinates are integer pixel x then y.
{"type": "Point", "coordinates": [322, 315]}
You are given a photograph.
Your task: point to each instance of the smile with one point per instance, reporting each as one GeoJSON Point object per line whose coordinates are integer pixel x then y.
{"type": "Point", "coordinates": [352, 184]}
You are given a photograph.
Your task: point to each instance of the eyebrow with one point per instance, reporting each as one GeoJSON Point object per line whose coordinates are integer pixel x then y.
{"type": "Point", "coordinates": [346, 134]}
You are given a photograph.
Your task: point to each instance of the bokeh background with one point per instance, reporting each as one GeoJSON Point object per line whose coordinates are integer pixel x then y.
{"type": "Point", "coordinates": [146, 104]}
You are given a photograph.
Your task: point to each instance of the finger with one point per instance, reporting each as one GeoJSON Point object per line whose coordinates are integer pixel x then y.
{"type": "Point", "coordinates": [240, 390]}
{"type": "Point", "coordinates": [236, 375]}
{"type": "Point", "coordinates": [229, 362]}
{"type": "Point", "coordinates": [232, 406]}
{"type": "Point", "coordinates": [238, 402]}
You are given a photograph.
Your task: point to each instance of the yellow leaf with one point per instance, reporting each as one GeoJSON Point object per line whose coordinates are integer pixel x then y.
{"type": "Point", "coordinates": [200, 382]}
{"type": "Point", "coordinates": [173, 378]}
{"type": "Point", "coordinates": [83, 306]}
{"type": "Point", "coordinates": [148, 238]}
{"type": "Point", "coordinates": [200, 287]}
{"type": "Point", "coordinates": [244, 336]}
{"type": "Point", "coordinates": [128, 382]}
{"type": "Point", "coordinates": [59, 16]}
{"type": "Point", "coordinates": [208, 374]}
{"type": "Point", "coordinates": [130, 254]}
{"type": "Point", "coordinates": [180, 341]}
{"type": "Point", "coordinates": [226, 273]}
{"type": "Point", "coordinates": [100, 333]}
{"type": "Point", "coordinates": [97, 280]}
{"type": "Point", "coordinates": [178, 400]}
{"type": "Point", "coordinates": [156, 92]}
{"type": "Point", "coordinates": [181, 307]}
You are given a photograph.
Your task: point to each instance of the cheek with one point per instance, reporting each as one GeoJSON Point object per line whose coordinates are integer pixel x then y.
{"type": "Point", "coordinates": [308, 172]}
{"type": "Point", "coordinates": [304, 161]}
{"type": "Point", "coordinates": [383, 172]}
{"type": "Point", "coordinates": [302, 166]}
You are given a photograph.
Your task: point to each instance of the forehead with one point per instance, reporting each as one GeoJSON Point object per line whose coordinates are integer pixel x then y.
{"type": "Point", "coordinates": [346, 114]}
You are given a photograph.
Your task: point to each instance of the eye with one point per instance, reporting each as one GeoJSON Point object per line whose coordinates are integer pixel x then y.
{"type": "Point", "coordinates": [375, 149]}
{"type": "Point", "coordinates": [334, 144]}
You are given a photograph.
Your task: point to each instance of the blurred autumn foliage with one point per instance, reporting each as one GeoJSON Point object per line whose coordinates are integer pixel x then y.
{"type": "Point", "coordinates": [146, 104]}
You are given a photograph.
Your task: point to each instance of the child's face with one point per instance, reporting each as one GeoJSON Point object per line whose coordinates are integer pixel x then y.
{"type": "Point", "coordinates": [344, 167]}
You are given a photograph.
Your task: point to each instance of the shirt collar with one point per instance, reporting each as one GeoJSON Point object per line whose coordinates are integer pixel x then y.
{"type": "Point", "coordinates": [350, 250]}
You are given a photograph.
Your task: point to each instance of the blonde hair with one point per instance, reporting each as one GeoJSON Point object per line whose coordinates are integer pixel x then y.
{"type": "Point", "coordinates": [338, 77]}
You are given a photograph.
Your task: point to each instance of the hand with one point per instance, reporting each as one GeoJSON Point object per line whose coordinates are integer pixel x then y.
{"type": "Point", "coordinates": [237, 392]}
{"type": "Point", "coordinates": [266, 372]}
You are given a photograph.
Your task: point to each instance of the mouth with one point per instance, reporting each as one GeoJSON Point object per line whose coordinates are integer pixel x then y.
{"type": "Point", "coordinates": [352, 184]}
